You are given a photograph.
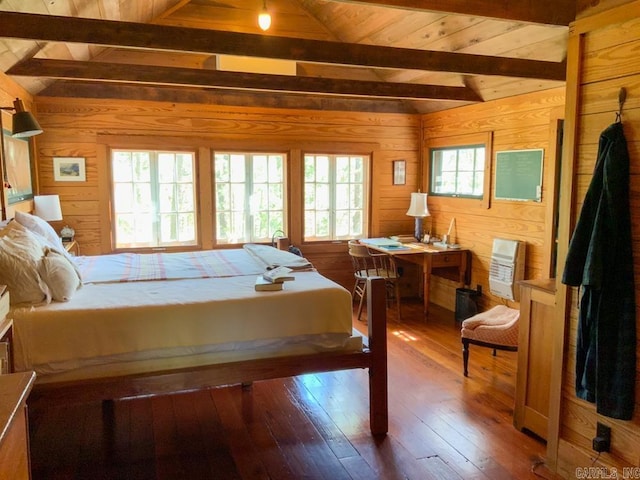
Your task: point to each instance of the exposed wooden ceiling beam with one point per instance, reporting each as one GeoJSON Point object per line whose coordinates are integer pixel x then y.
{"type": "Point", "coordinates": [548, 12]}
{"type": "Point", "coordinates": [158, 37]}
{"type": "Point", "coordinates": [154, 75]}
{"type": "Point", "coordinates": [221, 96]}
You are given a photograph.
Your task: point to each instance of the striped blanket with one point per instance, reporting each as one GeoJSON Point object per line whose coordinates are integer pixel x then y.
{"type": "Point", "coordinates": [134, 267]}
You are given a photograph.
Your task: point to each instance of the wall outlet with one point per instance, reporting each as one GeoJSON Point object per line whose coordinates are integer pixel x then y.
{"type": "Point", "coordinates": [602, 440]}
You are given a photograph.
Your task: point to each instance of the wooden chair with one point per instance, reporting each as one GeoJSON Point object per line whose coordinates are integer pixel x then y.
{"type": "Point", "coordinates": [372, 264]}
{"type": "Point", "coordinates": [496, 328]}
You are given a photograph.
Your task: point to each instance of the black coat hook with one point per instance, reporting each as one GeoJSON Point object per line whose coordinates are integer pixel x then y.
{"type": "Point", "coordinates": [622, 96]}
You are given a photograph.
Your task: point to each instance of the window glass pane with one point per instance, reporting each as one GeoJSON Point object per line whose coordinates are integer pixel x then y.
{"type": "Point", "coordinates": [142, 197]}
{"type": "Point", "coordinates": [465, 183]}
{"type": "Point", "coordinates": [335, 196]}
{"type": "Point", "coordinates": [457, 171]}
{"type": "Point", "coordinates": [123, 197]}
{"type": "Point", "coordinates": [141, 167]}
{"type": "Point", "coordinates": [251, 187]}
{"type": "Point", "coordinates": [342, 170]}
{"type": "Point", "coordinates": [260, 170]}
{"type": "Point", "coordinates": [166, 198]}
{"type": "Point", "coordinates": [357, 170]}
{"type": "Point", "coordinates": [186, 198]}
{"type": "Point", "coordinates": [322, 169]}
{"type": "Point", "coordinates": [221, 168]}
{"type": "Point", "coordinates": [237, 168]}
{"type": "Point", "coordinates": [166, 168]}
{"type": "Point", "coordinates": [122, 167]}
{"type": "Point", "coordinates": [276, 172]}
{"type": "Point", "coordinates": [184, 168]}
{"type": "Point", "coordinates": [154, 198]}
{"type": "Point", "coordinates": [466, 159]}
{"type": "Point", "coordinates": [323, 198]}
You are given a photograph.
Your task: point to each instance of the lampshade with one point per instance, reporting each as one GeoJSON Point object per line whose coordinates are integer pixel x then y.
{"type": "Point", "coordinates": [264, 19]}
{"type": "Point", "coordinates": [24, 123]}
{"type": "Point", "coordinates": [47, 207]}
{"type": "Point", "coordinates": [418, 207]}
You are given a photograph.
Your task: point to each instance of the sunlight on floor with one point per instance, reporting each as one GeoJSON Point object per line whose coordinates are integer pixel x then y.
{"type": "Point", "coordinates": [402, 335]}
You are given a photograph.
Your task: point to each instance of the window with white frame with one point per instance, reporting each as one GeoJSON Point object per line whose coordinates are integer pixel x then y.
{"type": "Point", "coordinates": [250, 196]}
{"type": "Point", "coordinates": [336, 196]}
{"type": "Point", "coordinates": [458, 171]}
{"type": "Point", "coordinates": [154, 201]}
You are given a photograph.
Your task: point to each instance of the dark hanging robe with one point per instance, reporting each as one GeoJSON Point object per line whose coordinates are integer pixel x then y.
{"type": "Point", "coordinates": [600, 259]}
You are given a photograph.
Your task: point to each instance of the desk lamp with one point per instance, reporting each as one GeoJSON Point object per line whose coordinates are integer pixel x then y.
{"type": "Point", "coordinates": [419, 210]}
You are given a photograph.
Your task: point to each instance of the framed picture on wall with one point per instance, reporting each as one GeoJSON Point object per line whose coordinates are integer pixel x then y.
{"type": "Point", "coordinates": [399, 172]}
{"type": "Point", "coordinates": [69, 169]}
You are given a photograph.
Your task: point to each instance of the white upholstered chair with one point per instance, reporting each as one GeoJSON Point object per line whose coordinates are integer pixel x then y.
{"type": "Point", "coordinates": [497, 328]}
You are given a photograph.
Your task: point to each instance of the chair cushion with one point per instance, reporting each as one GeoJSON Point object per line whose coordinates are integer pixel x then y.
{"type": "Point", "coordinates": [497, 325]}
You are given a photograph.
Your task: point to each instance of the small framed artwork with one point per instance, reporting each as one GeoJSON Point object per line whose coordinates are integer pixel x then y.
{"type": "Point", "coordinates": [69, 169]}
{"type": "Point", "coordinates": [399, 172]}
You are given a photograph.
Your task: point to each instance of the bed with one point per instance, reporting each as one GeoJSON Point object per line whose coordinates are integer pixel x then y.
{"type": "Point", "coordinates": [161, 323]}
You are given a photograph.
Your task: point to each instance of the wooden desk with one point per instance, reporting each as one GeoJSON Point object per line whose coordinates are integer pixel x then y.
{"type": "Point", "coordinates": [433, 260]}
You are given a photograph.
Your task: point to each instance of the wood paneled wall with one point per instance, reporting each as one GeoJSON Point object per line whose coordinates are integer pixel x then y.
{"type": "Point", "coordinates": [87, 127]}
{"type": "Point", "coordinates": [602, 58]}
{"type": "Point", "coordinates": [516, 123]}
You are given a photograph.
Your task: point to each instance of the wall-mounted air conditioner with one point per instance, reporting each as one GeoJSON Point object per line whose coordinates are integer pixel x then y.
{"type": "Point", "coordinates": [507, 268]}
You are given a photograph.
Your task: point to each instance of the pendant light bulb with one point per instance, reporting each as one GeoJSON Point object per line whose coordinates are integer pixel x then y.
{"type": "Point", "coordinates": [264, 19]}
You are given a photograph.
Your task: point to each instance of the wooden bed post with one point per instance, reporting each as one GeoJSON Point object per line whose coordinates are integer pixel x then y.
{"type": "Point", "coordinates": [377, 321]}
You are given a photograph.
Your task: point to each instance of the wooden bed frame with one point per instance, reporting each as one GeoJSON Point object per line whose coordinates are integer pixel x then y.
{"type": "Point", "coordinates": [373, 356]}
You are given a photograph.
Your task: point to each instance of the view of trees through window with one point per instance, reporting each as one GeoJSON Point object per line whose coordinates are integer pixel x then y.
{"type": "Point", "coordinates": [250, 196]}
{"type": "Point", "coordinates": [458, 171]}
{"type": "Point", "coordinates": [335, 196]}
{"type": "Point", "coordinates": [153, 198]}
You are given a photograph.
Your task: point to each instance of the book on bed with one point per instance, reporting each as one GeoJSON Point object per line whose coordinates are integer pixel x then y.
{"type": "Point", "coordinates": [278, 275]}
{"type": "Point", "coordinates": [263, 285]}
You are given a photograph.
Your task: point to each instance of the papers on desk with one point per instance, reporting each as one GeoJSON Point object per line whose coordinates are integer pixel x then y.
{"type": "Point", "coordinates": [384, 244]}
{"type": "Point", "coordinates": [381, 242]}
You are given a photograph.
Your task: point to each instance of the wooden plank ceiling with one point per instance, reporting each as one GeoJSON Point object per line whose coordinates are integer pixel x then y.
{"type": "Point", "coordinates": [378, 55]}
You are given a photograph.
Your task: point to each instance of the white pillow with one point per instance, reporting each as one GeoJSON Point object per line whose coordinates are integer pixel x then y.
{"type": "Point", "coordinates": [20, 256]}
{"type": "Point", "coordinates": [60, 274]}
{"type": "Point", "coordinates": [42, 228]}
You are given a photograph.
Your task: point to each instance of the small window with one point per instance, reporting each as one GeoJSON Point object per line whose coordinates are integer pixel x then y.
{"type": "Point", "coordinates": [250, 196]}
{"type": "Point", "coordinates": [336, 196]}
{"type": "Point", "coordinates": [154, 198]}
{"type": "Point", "coordinates": [458, 171]}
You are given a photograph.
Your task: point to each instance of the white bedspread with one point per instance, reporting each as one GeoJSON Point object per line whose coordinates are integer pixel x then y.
{"type": "Point", "coordinates": [114, 323]}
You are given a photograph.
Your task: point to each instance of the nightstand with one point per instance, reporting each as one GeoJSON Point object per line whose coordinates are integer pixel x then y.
{"type": "Point", "coordinates": [71, 246]}
{"type": "Point", "coordinates": [6, 334]}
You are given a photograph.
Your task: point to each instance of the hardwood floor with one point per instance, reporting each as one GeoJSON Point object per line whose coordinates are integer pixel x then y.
{"type": "Point", "coordinates": [442, 425]}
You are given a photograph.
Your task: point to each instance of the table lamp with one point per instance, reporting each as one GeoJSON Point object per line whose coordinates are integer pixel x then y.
{"type": "Point", "coordinates": [418, 209]}
{"type": "Point", "coordinates": [47, 207]}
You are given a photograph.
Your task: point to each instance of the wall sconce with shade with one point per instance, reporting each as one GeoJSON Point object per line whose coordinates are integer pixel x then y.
{"type": "Point", "coordinates": [418, 209]}
{"type": "Point", "coordinates": [264, 18]}
{"type": "Point", "coordinates": [24, 125]}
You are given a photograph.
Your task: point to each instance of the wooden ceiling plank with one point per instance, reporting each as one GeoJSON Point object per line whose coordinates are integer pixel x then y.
{"type": "Point", "coordinates": [146, 36]}
{"type": "Point", "coordinates": [154, 75]}
{"type": "Point", "coordinates": [548, 12]}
